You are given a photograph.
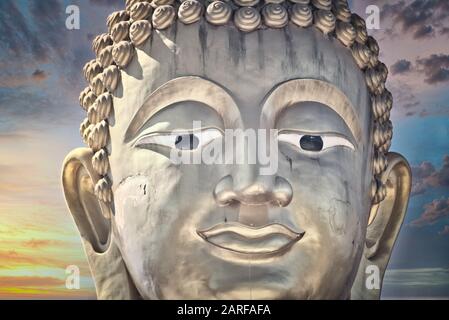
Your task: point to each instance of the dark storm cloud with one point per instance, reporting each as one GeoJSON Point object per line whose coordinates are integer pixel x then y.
{"type": "Point", "coordinates": [435, 67]}
{"type": "Point", "coordinates": [434, 211]}
{"type": "Point", "coordinates": [401, 66]}
{"type": "Point", "coordinates": [420, 17]}
{"type": "Point", "coordinates": [426, 176]}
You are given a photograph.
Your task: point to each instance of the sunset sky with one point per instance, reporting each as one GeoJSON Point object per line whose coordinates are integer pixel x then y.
{"type": "Point", "coordinates": [40, 80]}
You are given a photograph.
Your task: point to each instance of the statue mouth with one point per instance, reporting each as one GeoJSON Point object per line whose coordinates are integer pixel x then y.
{"type": "Point", "coordinates": [271, 239]}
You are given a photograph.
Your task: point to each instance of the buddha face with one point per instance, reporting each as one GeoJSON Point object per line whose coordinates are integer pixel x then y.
{"type": "Point", "coordinates": [228, 230]}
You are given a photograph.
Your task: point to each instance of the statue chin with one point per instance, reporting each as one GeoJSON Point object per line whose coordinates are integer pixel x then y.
{"type": "Point", "coordinates": [314, 218]}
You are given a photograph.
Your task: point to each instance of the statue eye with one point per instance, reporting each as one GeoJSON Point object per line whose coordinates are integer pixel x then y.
{"type": "Point", "coordinates": [311, 143]}
{"type": "Point", "coordinates": [316, 142]}
{"type": "Point", "coordinates": [185, 141]}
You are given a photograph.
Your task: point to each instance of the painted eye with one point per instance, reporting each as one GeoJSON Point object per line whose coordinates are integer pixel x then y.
{"type": "Point", "coordinates": [311, 143]}
{"type": "Point", "coordinates": [315, 143]}
{"type": "Point", "coordinates": [186, 141]}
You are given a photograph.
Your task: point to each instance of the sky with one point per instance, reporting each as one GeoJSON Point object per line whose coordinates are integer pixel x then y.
{"type": "Point", "coordinates": [40, 80]}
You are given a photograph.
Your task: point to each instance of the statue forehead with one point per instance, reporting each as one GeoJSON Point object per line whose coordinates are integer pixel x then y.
{"type": "Point", "coordinates": [247, 65]}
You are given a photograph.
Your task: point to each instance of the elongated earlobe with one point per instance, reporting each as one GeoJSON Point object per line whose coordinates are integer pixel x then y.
{"type": "Point", "coordinates": [93, 220]}
{"type": "Point", "coordinates": [382, 231]}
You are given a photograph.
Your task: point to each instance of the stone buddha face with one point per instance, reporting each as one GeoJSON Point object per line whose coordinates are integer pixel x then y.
{"type": "Point", "coordinates": [307, 229]}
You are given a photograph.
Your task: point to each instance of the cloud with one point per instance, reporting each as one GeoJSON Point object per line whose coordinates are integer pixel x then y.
{"type": "Point", "coordinates": [48, 18]}
{"type": "Point", "coordinates": [424, 31]}
{"type": "Point", "coordinates": [41, 62]}
{"type": "Point", "coordinates": [12, 136]}
{"type": "Point", "coordinates": [416, 283]}
{"type": "Point", "coordinates": [34, 257]}
{"type": "Point", "coordinates": [43, 287]}
{"type": "Point", "coordinates": [16, 104]}
{"type": "Point", "coordinates": [441, 75]}
{"type": "Point", "coordinates": [108, 3]}
{"type": "Point", "coordinates": [39, 75]}
{"type": "Point", "coordinates": [30, 281]}
{"type": "Point", "coordinates": [401, 66]}
{"type": "Point", "coordinates": [41, 243]}
{"type": "Point", "coordinates": [16, 37]}
{"type": "Point", "coordinates": [418, 276]}
{"type": "Point", "coordinates": [411, 105]}
{"type": "Point", "coordinates": [419, 17]}
{"type": "Point", "coordinates": [12, 258]}
{"type": "Point", "coordinates": [445, 231]}
{"type": "Point", "coordinates": [426, 176]}
{"type": "Point", "coordinates": [434, 211]}
{"type": "Point", "coordinates": [435, 67]}
{"type": "Point", "coordinates": [405, 100]}
{"type": "Point", "coordinates": [440, 111]}
{"type": "Point", "coordinates": [19, 80]}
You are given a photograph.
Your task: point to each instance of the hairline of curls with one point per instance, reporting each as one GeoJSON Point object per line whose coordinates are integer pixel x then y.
{"type": "Point", "coordinates": [131, 28]}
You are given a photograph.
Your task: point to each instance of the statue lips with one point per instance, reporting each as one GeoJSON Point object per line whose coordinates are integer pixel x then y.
{"type": "Point", "coordinates": [263, 241]}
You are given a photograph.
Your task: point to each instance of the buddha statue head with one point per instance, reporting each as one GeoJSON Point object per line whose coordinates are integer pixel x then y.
{"type": "Point", "coordinates": [170, 80]}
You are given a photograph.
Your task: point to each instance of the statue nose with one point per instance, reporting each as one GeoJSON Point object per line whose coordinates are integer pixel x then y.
{"type": "Point", "coordinates": [263, 190]}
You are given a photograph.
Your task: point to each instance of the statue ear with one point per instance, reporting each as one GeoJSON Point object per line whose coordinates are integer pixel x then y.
{"type": "Point", "coordinates": [383, 228]}
{"type": "Point", "coordinates": [93, 219]}
{"type": "Point", "coordinates": [91, 216]}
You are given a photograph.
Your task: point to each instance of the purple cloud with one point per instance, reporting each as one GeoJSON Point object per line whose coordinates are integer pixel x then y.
{"type": "Point", "coordinates": [434, 211]}
{"type": "Point", "coordinates": [424, 31]}
{"type": "Point", "coordinates": [425, 176]}
{"type": "Point", "coordinates": [435, 67]}
{"type": "Point", "coordinates": [401, 66]}
{"type": "Point", "coordinates": [419, 17]}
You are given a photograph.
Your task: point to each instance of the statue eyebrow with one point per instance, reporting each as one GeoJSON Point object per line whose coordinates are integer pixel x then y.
{"type": "Point", "coordinates": [189, 88]}
{"type": "Point", "coordinates": [293, 91]}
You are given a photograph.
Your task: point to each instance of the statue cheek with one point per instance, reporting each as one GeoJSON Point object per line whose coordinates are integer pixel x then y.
{"type": "Point", "coordinates": [340, 214]}
{"type": "Point", "coordinates": [132, 198]}
{"type": "Point", "coordinates": [143, 200]}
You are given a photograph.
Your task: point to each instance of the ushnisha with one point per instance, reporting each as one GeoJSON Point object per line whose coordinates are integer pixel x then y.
{"type": "Point", "coordinates": [129, 29]}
